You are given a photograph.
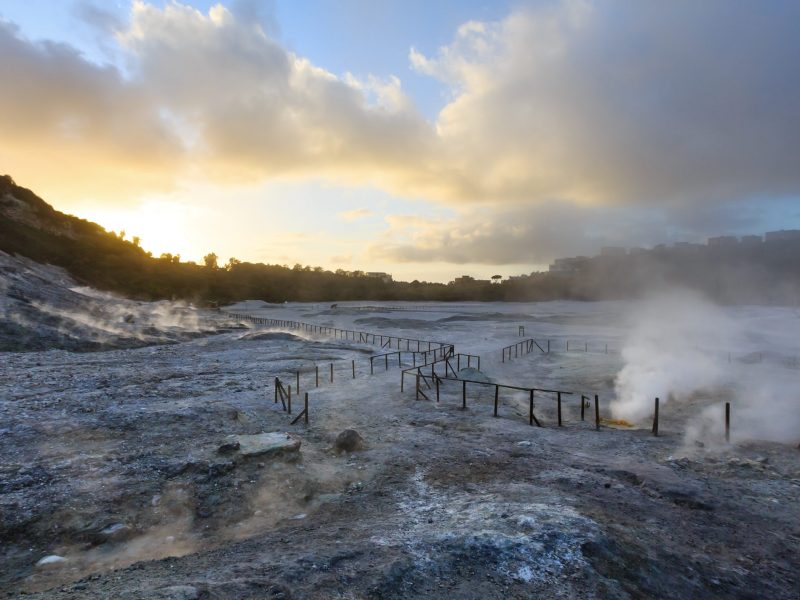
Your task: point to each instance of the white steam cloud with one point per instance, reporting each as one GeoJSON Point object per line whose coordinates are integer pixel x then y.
{"type": "Point", "coordinates": [682, 347]}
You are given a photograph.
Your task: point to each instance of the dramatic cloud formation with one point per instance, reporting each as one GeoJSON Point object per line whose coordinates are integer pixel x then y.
{"type": "Point", "coordinates": [635, 102]}
{"type": "Point", "coordinates": [558, 108]}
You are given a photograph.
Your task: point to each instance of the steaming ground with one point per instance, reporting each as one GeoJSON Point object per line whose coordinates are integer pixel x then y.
{"type": "Point", "coordinates": [43, 308]}
{"type": "Point", "coordinates": [110, 461]}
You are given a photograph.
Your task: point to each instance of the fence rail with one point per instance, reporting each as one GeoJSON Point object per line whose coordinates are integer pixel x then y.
{"type": "Point", "coordinates": [425, 356]}
{"type": "Point", "coordinates": [437, 381]}
{"type": "Point", "coordinates": [531, 345]}
{"type": "Point", "coordinates": [445, 361]}
{"type": "Point", "coordinates": [365, 337]}
{"type": "Point", "coordinates": [284, 394]}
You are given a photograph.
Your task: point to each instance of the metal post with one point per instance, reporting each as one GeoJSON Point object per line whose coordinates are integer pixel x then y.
{"type": "Point", "coordinates": [655, 419]}
{"type": "Point", "coordinates": [331, 372]}
{"type": "Point", "coordinates": [371, 369]}
{"type": "Point", "coordinates": [417, 390]}
{"type": "Point", "coordinates": [386, 361]}
{"type": "Point", "coordinates": [316, 371]}
{"type": "Point", "coordinates": [548, 346]}
{"type": "Point", "coordinates": [464, 394]}
{"type": "Point", "coordinates": [298, 381]}
{"type": "Point", "coordinates": [496, 398]}
{"type": "Point", "coordinates": [399, 356]}
{"type": "Point", "coordinates": [289, 400]}
{"type": "Point", "coordinates": [354, 368]}
{"type": "Point", "coordinates": [583, 406]}
{"type": "Point", "coordinates": [459, 362]}
{"type": "Point", "coordinates": [306, 408]}
{"type": "Point", "coordinates": [276, 390]}
{"type": "Point", "coordinates": [437, 388]}
{"type": "Point", "coordinates": [479, 363]}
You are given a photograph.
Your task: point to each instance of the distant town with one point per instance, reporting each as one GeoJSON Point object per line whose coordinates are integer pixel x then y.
{"type": "Point", "coordinates": [773, 243]}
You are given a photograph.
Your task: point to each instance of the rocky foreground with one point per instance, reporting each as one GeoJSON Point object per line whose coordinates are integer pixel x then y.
{"type": "Point", "coordinates": [144, 473]}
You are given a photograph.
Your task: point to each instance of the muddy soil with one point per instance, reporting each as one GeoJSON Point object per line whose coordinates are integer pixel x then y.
{"type": "Point", "coordinates": [110, 461]}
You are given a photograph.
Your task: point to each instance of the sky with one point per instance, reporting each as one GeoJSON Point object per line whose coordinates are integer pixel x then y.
{"type": "Point", "coordinates": [425, 139]}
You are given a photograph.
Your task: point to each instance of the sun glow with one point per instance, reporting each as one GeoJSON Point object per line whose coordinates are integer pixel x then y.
{"type": "Point", "coordinates": [161, 226]}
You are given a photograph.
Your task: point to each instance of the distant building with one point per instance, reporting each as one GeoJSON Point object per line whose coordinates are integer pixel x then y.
{"type": "Point", "coordinates": [784, 235]}
{"type": "Point", "coordinates": [568, 265]}
{"type": "Point", "coordinates": [613, 251]}
{"type": "Point", "coordinates": [385, 277]}
{"type": "Point", "coordinates": [723, 241]}
{"type": "Point", "coordinates": [751, 240]}
{"type": "Point", "coordinates": [464, 279]}
{"type": "Point", "coordinates": [686, 247]}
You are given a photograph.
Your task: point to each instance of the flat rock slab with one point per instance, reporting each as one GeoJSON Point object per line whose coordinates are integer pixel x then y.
{"type": "Point", "coordinates": [264, 443]}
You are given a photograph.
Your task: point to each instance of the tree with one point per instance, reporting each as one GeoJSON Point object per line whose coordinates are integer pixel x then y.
{"type": "Point", "coordinates": [496, 278]}
{"type": "Point", "coordinates": [210, 260]}
{"type": "Point", "coordinates": [136, 241]}
{"type": "Point", "coordinates": [232, 262]}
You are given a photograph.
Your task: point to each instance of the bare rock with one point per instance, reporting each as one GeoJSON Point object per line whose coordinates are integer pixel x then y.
{"type": "Point", "coordinates": [262, 444]}
{"type": "Point", "coordinates": [229, 446]}
{"type": "Point", "coordinates": [51, 560]}
{"type": "Point", "coordinates": [115, 532]}
{"type": "Point", "coordinates": [348, 441]}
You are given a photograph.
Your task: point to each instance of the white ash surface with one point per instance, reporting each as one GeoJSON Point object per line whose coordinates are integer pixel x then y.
{"type": "Point", "coordinates": [110, 461]}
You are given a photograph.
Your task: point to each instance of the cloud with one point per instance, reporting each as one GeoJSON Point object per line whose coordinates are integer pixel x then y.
{"type": "Point", "coordinates": [257, 110]}
{"type": "Point", "coordinates": [355, 214]}
{"type": "Point", "coordinates": [667, 105]}
{"type": "Point", "coordinates": [534, 235]}
{"type": "Point", "coordinates": [668, 102]}
{"type": "Point", "coordinates": [97, 17]}
{"type": "Point", "coordinates": [71, 126]}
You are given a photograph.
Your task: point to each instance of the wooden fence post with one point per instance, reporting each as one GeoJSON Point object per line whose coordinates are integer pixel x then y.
{"type": "Point", "coordinates": [558, 394]}
{"type": "Point", "coordinates": [655, 419]}
{"type": "Point", "coordinates": [596, 413]}
{"type": "Point", "coordinates": [727, 421]}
